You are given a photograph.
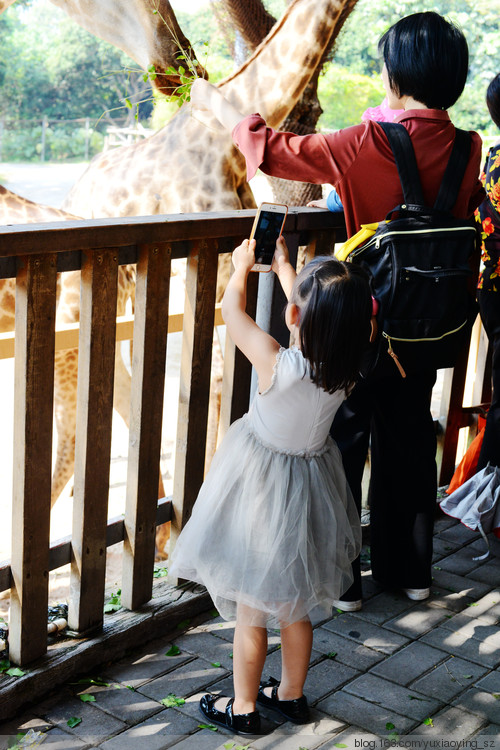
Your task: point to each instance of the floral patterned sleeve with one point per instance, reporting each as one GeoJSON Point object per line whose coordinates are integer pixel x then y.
{"type": "Point", "coordinates": [488, 215]}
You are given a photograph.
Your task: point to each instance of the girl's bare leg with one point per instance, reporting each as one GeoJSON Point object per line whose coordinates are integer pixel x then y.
{"type": "Point", "coordinates": [249, 655]}
{"type": "Point", "coordinates": [296, 646]}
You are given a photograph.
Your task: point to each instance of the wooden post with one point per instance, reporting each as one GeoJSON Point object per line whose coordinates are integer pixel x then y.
{"type": "Point", "coordinates": [33, 415]}
{"type": "Point", "coordinates": [148, 382]}
{"type": "Point", "coordinates": [201, 280]}
{"type": "Point", "coordinates": [45, 123]}
{"type": "Point", "coordinates": [93, 437]}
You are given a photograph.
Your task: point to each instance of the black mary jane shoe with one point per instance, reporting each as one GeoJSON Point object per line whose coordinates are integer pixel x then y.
{"type": "Point", "coordinates": [246, 724]}
{"type": "Point", "coordinates": [296, 711]}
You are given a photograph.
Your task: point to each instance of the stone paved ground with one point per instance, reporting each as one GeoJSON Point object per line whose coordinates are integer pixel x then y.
{"type": "Point", "coordinates": [419, 674]}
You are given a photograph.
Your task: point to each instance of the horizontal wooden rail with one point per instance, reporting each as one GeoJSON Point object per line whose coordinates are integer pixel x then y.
{"type": "Point", "coordinates": [60, 550]}
{"type": "Point", "coordinates": [67, 335]}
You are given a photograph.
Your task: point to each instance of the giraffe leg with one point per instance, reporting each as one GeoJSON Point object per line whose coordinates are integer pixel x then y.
{"type": "Point", "coordinates": [65, 386]}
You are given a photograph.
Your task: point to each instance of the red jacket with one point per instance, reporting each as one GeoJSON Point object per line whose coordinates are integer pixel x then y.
{"type": "Point", "coordinates": [358, 162]}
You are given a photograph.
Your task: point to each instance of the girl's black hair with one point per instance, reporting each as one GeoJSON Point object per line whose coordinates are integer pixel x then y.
{"type": "Point", "coordinates": [335, 315]}
{"type": "Point", "coordinates": [493, 99]}
{"type": "Point", "coordinates": [426, 58]}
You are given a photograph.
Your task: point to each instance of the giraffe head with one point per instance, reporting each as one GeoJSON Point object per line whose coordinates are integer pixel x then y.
{"type": "Point", "coordinates": [147, 30]}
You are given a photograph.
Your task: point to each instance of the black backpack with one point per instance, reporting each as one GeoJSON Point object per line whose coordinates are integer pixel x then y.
{"type": "Point", "coordinates": [420, 266]}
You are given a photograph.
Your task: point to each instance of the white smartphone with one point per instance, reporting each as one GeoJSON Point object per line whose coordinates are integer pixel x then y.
{"type": "Point", "coordinates": [266, 229]}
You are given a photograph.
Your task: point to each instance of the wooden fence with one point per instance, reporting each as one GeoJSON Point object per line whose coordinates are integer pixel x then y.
{"type": "Point", "coordinates": [34, 254]}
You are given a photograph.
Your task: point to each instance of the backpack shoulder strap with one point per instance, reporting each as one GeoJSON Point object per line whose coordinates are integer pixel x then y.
{"type": "Point", "coordinates": [402, 148]}
{"type": "Point", "coordinates": [455, 170]}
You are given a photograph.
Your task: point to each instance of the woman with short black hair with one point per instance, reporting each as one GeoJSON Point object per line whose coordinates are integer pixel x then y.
{"type": "Point", "coordinates": [425, 67]}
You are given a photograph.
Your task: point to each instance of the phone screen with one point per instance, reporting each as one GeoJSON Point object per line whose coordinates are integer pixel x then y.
{"type": "Point", "coordinates": [267, 232]}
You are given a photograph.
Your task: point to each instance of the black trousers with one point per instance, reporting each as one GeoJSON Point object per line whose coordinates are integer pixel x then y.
{"type": "Point", "coordinates": [395, 413]}
{"type": "Point", "coordinates": [489, 305]}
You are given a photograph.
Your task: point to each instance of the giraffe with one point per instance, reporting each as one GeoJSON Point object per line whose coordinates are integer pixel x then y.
{"type": "Point", "coordinates": [14, 209]}
{"type": "Point", "coordinates": [191, 164]}
{"type": "Point", "coordinates": [147, 30]}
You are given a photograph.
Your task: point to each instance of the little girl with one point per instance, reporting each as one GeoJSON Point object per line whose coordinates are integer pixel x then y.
{"type": "Point", "coordinates": [274, 529]}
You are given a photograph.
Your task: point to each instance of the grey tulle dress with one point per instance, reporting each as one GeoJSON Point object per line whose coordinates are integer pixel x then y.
{"type": "Point", "coordinates": [275, 527]}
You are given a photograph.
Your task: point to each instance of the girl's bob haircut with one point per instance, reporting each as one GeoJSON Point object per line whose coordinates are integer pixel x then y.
{"type": "Point", "coordinates": [335, 305]}
{"type": "Point", "coordinates": [493, 99]}
{"type": "Point", "coordinates": [426, 58]}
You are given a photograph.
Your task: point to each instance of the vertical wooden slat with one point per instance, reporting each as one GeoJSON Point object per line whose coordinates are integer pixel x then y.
{"type": "Point", "coordinates": [93, 437]}
{"type": "Point", "coordinates": [148, 382]}
{"type": "Point", "coordinates": [33, 406]}
{"type": "Point", "coordinates": [201, 279]}
{"type": "Point", "coordinates": [237, 370]}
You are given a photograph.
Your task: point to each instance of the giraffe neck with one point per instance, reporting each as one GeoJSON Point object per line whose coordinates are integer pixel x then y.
{"type": "Point", "coordinates": [273, 78]}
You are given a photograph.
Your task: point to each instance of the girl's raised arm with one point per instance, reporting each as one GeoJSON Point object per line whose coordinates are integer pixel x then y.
{"type": "Point", "coordinates": [257, 345]}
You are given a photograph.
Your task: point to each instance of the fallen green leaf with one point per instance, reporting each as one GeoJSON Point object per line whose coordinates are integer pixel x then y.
{"type": "Point", "coordinates": [229, 745]}
{"type": "Point", "coordinates": [74, 721]}
{"type": "Point", "coordinates": [214, 613]}
{"type": "Point", "coordinates": [160, 572]}
{"type": "Point", "coordinates": [130, 687]}
{"type": "Point", "coordinates": [114, 603]}
{"type": "Point", "coordinates": [212, 727]}
{"type": "Point", "coordinates": [467, 676]}
{"type": "Point", "coordinates": [496, 695]}
{"type": "Point", "coordinates": [87, 698]}
{"type": "Point", "coordinates": [91, 681]}
{"type": "Point", "coordinates": [4, 665]}
{"type": "Point", "coordinates": [473, 604]}
{"type": "Point", "coordinates": [216, 664]}
{"type": "Point", "coordinates": [172, 700]}
{"type": "Point", "coordinates": [231, 655]}
{"type": "Point", "coordinates": [390, 726]}
{"type": "Point", "coordinates": [340, 744]}
{"type": "Point", "coordinates": [173, 650]}
{"type": "Point", "coordinates": [184, 624]}
{"type": "Point", "coordinates": [15, 672]}
{"type": "Point", "coordinates": [428, 722]}
{"type": "Point", "coordinates": [416, 698]}
{"type": "Point", "coordinates": [331, 655]}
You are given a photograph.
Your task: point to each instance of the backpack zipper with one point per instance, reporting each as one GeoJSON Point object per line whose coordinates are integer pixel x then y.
{"type": "Point", "coordinates": [395, 357]}
{"type": "Point", "coordinates": [377, 240]}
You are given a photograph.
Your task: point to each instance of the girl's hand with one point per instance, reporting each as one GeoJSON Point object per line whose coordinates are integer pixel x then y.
{"type": "Point", "coordinates": [281, 256]}
{"type": "Point", "coordinates": [244, 255]}
{"type": "Point", "coordinates": [201, 94]}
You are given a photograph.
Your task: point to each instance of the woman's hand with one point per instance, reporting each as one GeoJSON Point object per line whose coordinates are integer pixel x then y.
{"type": "Point", "coordinates": [244, 256]}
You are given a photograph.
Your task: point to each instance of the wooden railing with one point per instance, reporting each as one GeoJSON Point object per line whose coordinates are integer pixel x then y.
{"type": "Point", "coordinates": [34, 254]}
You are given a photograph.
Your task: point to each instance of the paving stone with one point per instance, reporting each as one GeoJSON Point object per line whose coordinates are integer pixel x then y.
{"type": "Point", "coordinates": [449, 678]}
{"type": "Point", "coordinates": [492, 730]}
{"type": "Point", "coordinates": [187, 679]}
{"type": "Point", "coordinates": [22, 724]}
{"type": "Point", "coordinates": [347, 652]}
{"type": "Point", "coordinates": [488, 571]}
{"type": "Point", "coordinates": [450, 723]}
{"type": "Point", "coordinates": [292, 736]}
{"type": "Point", "coordinates": [370, 716]}
{"type": "Point", "coordinates": [460, 584]}
{"type": "Point", "coordinates": [128, 705]}
{"type": "Point", "coordinates": [418, 620]}
{"type": "Point", "coordinates": [442, 548]}
{"type": "Point", "coordinates": [272, 667]}
{"type": "Point", "coordinates": [160, 731]}
{"type": "Point", "coordinates": [487, 607]}
{"type": "Point", "coordinates": [458, 533]}
{"type": "Point", "coordinates": [353, 737]}
{"type": "Point", "coordinates": [482, 702]}
{"type": "Point", "coordinates": [152, 663]}
{"type": "Point", "coordinates": [96, 725]}
{"type": "Point", "coordinates": [360, 631]}
{"type": "Point", "coordinates": [443, 522]}
{"type": "Point", "coordinates": [410, 663]}
{"type": "Point", "coordinates": [384, 606]}
{"type": "Point", "coordinates": [57, 739]}
{"type": "Point", "coordinates": [485, 652]}
{"type": "Point", "coordinates": [204, 739]}
{"type": "Point", "coordinates": [491, 682]}
{"type": "Point", "coordinates": [475, 627]}
{"type": "Point", "coordinates": [405, 702]}
{"type": "Point", "coordinates": [214, 650]}
{"type": "Point", "coordinates": [325, 677]}
{"type": "Point", "coordinates": [460, 562]}
{"type": "Point", "coordinates": [51, 736]}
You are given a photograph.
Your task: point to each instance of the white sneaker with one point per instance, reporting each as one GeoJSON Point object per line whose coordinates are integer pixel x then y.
{"type": "Point", "coordinates": [348, 606]}
{"type": "Point", "coordinates": [417, 595]}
